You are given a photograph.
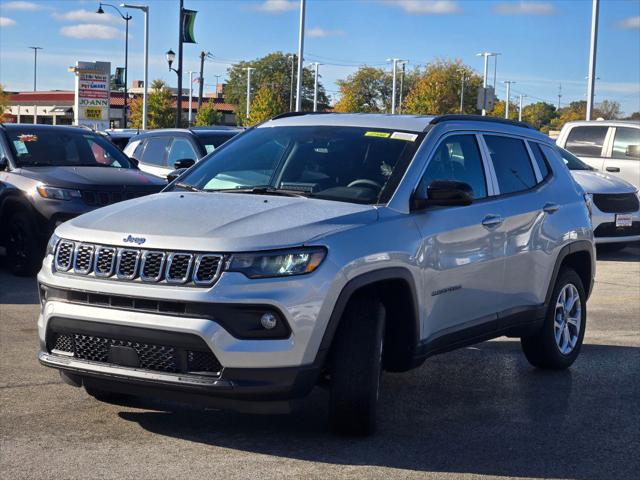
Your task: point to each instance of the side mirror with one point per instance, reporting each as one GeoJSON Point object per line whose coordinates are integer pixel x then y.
{"type": "Point", "coordinates": [443, 193]}
{"type": "Point", "coordinates": [633, 151]}
{"type": "Point", "coordinates": [175, 174]}
{"type": "Point", "coordinates": [184, 163]}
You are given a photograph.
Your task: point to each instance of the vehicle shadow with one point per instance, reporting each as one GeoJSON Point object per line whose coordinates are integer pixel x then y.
{"type": "Point", "coordinates": [16, 290]}
{"type": "Point", "coordinates": [481, 410]}
{"type": "Point", "coordinates": [631, 253]}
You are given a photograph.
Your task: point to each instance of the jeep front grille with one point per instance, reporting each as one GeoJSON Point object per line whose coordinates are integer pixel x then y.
{"type": "Point", "coordinates": [134, 264]}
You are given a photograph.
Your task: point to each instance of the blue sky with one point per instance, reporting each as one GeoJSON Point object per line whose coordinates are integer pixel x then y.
{"type": "Point", "coordinates": [543, 43]}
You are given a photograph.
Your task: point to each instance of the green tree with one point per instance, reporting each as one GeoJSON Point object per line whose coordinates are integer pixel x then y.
{"type": "Point", "coordinates": [266, 104]}
{"type": "Point", "coordinates": [573, 111]}
{"type": "Point", "coordinates": [437, 89]}
{"type": "Point", "coordinates": [208, 115]}
{"type": "Point", "coordinates": [539, 115]}
{"type": "Point", "coordinates": [160, 108]}
{"type": "Point", "coordinates": [499, 110]}
{"type": "Point", "coordinates": [367, 90]}
{"type": "Point", "coordinates": [5, 102]}
{"type": "Point", "coordinates": [274, 71]}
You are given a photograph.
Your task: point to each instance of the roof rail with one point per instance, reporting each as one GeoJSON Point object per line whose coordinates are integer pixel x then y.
{"type": "Point", "coordinates": [296, 114]}
{"type": "Point", "coordinates": [478, 118]}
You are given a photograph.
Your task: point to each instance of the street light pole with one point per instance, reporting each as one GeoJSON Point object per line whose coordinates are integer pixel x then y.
{"type": "Point", "coordinates": [404, 64]}
{"type": "Point", "coordinates": [393, 86]}
{"type": "Point", "coordinates": [35, 65]}
{"type": "Point", "coordinates": [462, 93]}
{"type": "Point", "coordinates": [145, 10]}
{"type": "Point", "coordinates": [595, 6]}
{"type": "Point", "coordinates": [249, 70]}
{"type": "Point", "coordinates": [179, 71]}
{"type": "Point", "coordinates": [520, 107]}
{"type": "Point", "coordinates": [126, 19]}
{"type": "Point", "coordinates": [315, 87]}
{"type": "Point", "coordinates": [300, 58]}
{"type": "Point", "coordinates": [506, 107]}
{"type": "Point", "coordinates": [292, 58]}
{"type": "Point", "coordinates": [190, 94]}
{"type": "Point", "coordinates": [486, 56]}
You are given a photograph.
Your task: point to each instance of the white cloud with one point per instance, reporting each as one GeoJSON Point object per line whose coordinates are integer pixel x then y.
{"type": "Point", "coordinates": [29, 6]}
{"type": "Point", "coordinates": [91, 30]}
{"type": "Point", "coordinates": [524, 8]}
{"type": "Point", "coordinates": [85, 16]}
{"type": "Point", "coordinates": [7, 22]}
{"type": "Point", "coordinates": [631, 22]}
{"type": "Point", "coordinates": [278, 6]}
{"type": "Point", "coordinates": [426, 7]}
{"type": "Point", "coordinates": [317, 32]}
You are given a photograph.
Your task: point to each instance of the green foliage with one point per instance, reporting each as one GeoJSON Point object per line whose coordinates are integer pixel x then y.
{"type": "Point", "coordinates": [273, 71]}
{"type": "Point", "coordinates": [367, 90]}
{"type": "Point", "coordinates": [5, 102]}
{"type": "Point", "coordinates": [266, 104]}
{"type": "Point", "coordinates": [160, 108]}
{"type": "Point", "coordinates": [538, 114]}
{"type": "Point", "coordinates": [208, 115]}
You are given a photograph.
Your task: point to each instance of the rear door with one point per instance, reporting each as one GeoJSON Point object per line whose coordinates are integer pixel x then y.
{"type": "Point", "coordinates": [587, 143]}
{"type": "Point", "coordinates": [623, 158]}
{"type": "Point", "coordinates": [181, 149]}
{"type": "Point", "coordinates": [154, 156]}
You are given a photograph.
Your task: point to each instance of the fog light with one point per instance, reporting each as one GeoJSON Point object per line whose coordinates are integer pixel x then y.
{"type": "Point", "coordinates": [268, 320]}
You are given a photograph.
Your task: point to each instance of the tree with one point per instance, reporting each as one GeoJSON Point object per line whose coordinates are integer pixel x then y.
{"type": "Point", "coordinates": [607, 109]}
{"type": "Point", "coordinates": [437, 90]}
{"type": "Point", "coordinates": [5, 102]}
{"type": "Point", "coordinates": [367, 90]}
{"type": "Point", "coordinates": [274, 71]}
{"type": "Point", "coordinates": [634, 116]}
{"type": "Point", "coordinates": [208, 115]}
{"type": "Point", "coordinates": [160, 107]}
{"type": "Point", "coordinates": [266, 104]}
{"type": "Point", "coordinates": [539, 115]}
{"type": "Point", "coordinates": [499, 107]}
{"type": "Point", "coordinates": [573, 111]}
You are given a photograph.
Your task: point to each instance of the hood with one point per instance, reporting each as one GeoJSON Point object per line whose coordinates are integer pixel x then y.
{"type": "Point", "coordinates": [598, 182]}
{"type": "Point", "coordinates": [97, 178]}
{"type": "Point", "coordinates": [216, 222]}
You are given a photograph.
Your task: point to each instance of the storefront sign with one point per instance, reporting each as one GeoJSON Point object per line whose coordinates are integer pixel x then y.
{"type": "Point", "coordinates": [92, 94]}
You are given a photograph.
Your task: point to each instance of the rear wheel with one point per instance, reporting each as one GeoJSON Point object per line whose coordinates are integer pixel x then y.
{"type": "Point", "coordinates": [557, 344]}
{"type": "Point", "coordinates": [356, 368]}
{"type": "Point", "coordinates": [24, 250]}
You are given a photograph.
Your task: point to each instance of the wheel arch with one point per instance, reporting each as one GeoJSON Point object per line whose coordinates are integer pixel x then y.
{"type": "Point", "coordinates": [9, 206]}
{"type": "Point", "coordinates": [578, 256]}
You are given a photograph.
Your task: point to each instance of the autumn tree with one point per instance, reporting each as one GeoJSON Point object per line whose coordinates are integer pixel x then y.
{"type": "Point", "coordinates": [539, 115]}
{"type": "Point", "coordinates": [499, 107]}
{"type": "Point", "coordinates": [266, 104]}
{"type": "Point", "coordinates": [160, 107]}
{"type": "Point", "coordinates": [368, 90]}
{"type": "Point", "coordinates": [569, 113]}
{"type": "Point", "coordinates": [437, 89]}
{"type": "Point", "coordinates": [208, 115]}
{"type": "Point", "coordinates": [5, 102]}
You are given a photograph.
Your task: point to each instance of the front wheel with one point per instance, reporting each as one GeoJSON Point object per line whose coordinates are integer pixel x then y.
{"type": "Point", "coordinates": [557, 344]}
{"type": "Point", "coordinates": [24, 252]}
{"type": "Point", "coordinates": [356, 366]}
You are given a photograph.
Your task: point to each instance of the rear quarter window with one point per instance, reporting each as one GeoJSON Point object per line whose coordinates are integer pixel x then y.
{"type": "Point", "coordinates": [586, 141]}
{"type": "Point", "coordinates": [540, 159]}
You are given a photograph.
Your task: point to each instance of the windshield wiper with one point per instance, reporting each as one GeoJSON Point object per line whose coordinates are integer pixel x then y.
{"type": "Point", "coordinates": [264, 190]}
{"type": "Point", "coordinates": [187, 187]}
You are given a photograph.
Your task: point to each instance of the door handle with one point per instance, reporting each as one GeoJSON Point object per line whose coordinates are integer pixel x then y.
{"type": "Point", "coordinates": [492, 221]}
{"type": "Point", "coordinates": [613, 169]}
{"type": "Point", "coordinates": [550, 207]}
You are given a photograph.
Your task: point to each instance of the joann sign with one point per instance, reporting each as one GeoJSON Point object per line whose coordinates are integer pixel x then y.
{"type": "Point", "coordinates": [92, 94]}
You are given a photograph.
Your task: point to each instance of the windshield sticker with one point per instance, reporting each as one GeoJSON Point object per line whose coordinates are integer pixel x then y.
{"type": "Point", "coordinates": [407, 137]}
{"type": "Point", "coordinates": [209, 148]}
{"type": "Point", "coordinates": [21, 148]}
{"type": "Point", "coordinates": [377, 134]}
{"type": "Point", "coordinates": [28, 138]}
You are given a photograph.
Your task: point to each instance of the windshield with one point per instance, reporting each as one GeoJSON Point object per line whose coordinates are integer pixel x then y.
{"type": "Point", "coordinates": [347, 164]}
{"type": "Point", "coordinates": [211, 142]}
{"type": "Point", "coordinates": [33, 147]}
{"type": "Point", "coordinates": [573, 162]}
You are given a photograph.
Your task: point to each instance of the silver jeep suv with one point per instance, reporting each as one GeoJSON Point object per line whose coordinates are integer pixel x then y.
{"type": "Point", "coordinates": [321, 250]}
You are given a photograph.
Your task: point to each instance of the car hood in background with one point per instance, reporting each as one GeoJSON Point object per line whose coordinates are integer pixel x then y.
{"type": "Point", "coordinates": [92, 177]}
{"type": "Point", "coordinates": [598, 182]}
{"type": "Point", "coordinates": [216, 222]}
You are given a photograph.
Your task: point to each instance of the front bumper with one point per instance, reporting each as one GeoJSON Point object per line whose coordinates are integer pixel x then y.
{"type": "Point", "coordinates": [605, 231]}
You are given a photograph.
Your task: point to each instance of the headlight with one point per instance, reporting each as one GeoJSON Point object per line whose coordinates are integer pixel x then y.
{"type": "Point", "coordinates": [277, 264]}
{"type": "Point", "coordinates": [56, 193]}
{"type": "Point", "coordinates": [51, 245]}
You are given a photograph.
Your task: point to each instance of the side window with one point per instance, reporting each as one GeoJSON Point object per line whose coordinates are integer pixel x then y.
{"type": "Point", "coordinates": [457, 158]}
{"type": "Point", "coordinates": [156, 151]}
{"type": "Point", "coordinates": [626, 143]}
{"type": "Point", "coordinates": [181, 149]}
{"type": "Point", "coordinates": [540, 159]}
{"type": "Point", "coordinates": [586, 141]}
{"type": "Point", "coordinates": [131, 148]}
{"type": "Point", "coordinates": [511, 162]}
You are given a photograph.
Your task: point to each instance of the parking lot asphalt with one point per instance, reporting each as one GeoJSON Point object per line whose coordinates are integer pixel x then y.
{"type": "Point", "coordinates": [479, 412]}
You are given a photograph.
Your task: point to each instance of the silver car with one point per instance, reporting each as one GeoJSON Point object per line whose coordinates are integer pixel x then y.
{"type": "Point", "coordinates": [321, 250]}
{"type": "Point", "coordinates": [615, 204]}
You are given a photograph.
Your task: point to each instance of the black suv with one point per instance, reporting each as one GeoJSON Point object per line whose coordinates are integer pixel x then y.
{"type": "Point", "coordinates": [159, 152]}
{"type": "Point", "coordinates": [49, 174]}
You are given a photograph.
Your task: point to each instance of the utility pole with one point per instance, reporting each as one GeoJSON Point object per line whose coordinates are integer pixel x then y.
{"type": "Point", "coordinates": [595, 6]}
{"type": "Point", "coordinates": [217, 83]}
{"type": "Point", "coordinates": [404, 64]}
{"type": "Point", "coordinates": [520, 107]}
{"type": "Point", "coordinates": [179, 72]}
{"type": "Point", "coordinates": [486, 56]}
{"type": "Point", "coordinates": [249, 69]}
{"type": "Point", "coordinates": [35, 65]}
{"type": "Point", "coordinates": [559, 94]}
{"type": "Point", "coordinates": [506, 106]}
{"type": "Point", "coordinates": [190, 94]}
{"type": "Point", "coordinates": [292, 58]}
{"type": "Point", "coordinates": [495, 70]}
{"type": "Point", "coordinates": [315, 87]}
{"type": "Point", "coordinates": [203, 54]}
{"type": "Point", "coordinates": [393, 86]}
{"type": "Point", "coordinates": [300, 58]}
{"type": "Point", "coordinates": [462, 93]}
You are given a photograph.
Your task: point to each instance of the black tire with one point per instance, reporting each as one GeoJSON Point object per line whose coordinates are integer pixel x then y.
{"type": "Point", "coordinates": [106, 396]}
{"type": "Point", "coordinates": [355, 367]}
{"type": "Point", "coordinates": [541, 348]}
{"type": "Point", "coordinates": [24, 249]}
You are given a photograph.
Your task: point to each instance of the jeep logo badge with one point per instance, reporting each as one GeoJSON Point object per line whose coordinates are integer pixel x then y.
{"type": "Point", "coordinates": [136, 240]}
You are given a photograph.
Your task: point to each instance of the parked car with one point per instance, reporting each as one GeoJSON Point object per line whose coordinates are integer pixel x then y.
{"type": "Point", "coordinates": [159, 152]}
{"type": "Point", "coordinates": [49, 174]}
{"type": "Point", "coordinates": [321, 250]}
{"type": "Point", "coordinates": [610, 146]}
{"type": "Point", "coordinates": [120, 137]}
{"type": "Point", "coordinates": [615, 203]}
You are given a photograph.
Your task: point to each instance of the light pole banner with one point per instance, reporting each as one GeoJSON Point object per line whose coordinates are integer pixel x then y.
{"type": "Point", "coordinates": [92, 94]}
{"type": "Point", "coordinates": [188, 22]}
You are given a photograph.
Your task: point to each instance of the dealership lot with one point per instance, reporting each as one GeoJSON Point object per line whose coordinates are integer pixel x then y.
{"type": "Point", "coordinates": [480, 411]}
